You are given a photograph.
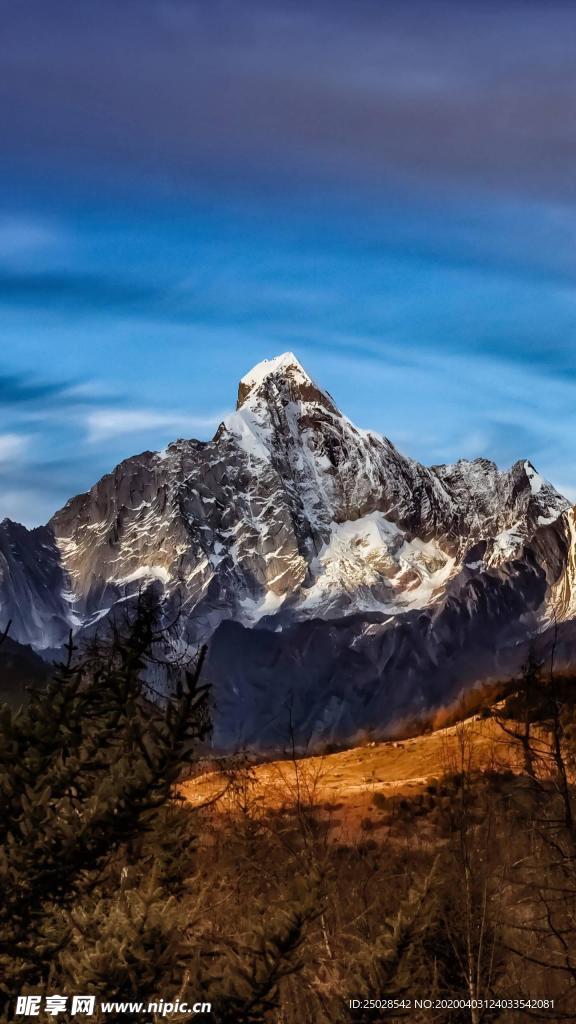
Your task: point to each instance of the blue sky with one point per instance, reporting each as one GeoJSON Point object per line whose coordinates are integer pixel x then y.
{"type": "Point", "coordinates": [387, 190]}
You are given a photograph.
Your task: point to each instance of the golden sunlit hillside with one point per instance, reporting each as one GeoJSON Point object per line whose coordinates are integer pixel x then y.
{"type": "Point", "coordinates": [347, 781]}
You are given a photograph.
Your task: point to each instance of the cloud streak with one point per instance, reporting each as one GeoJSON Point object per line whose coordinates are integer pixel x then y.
{"type": "Point", "coordinates": [22, 389]}
{"type": "Point", "coordinates": [104, 424]}
{"type": "Point", "coordinates": [28, 395]}
{"type": "Point", "coordinates": [25, 237]}
{"type": "Point", "coordinates": [12, 447]}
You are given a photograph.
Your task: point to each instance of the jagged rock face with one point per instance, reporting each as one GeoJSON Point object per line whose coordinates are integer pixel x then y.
{"type": "Point", "coordinates": [556, 550]}
{"type": "Point", "coordinates": [33, 586]}
{"type": "Point", "coordinates": [289, 519]}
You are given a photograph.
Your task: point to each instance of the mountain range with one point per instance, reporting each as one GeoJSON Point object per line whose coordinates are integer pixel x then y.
{"type": "Point", "coordinates": [342, 587]}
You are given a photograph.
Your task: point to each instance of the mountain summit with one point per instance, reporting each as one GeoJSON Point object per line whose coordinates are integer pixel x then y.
{"type": "Point", "coordinates": [290, 523]}
{"type": "Point", "coordinates": [282, 379]}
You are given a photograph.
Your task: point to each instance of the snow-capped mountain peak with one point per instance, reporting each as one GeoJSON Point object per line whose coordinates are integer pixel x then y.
{"type": "Point", "coordinates": [283, 379]}
{"type": "Point", "coordinates": [291, 515]}
{"type": "Point", "coordinates": [277, 402]}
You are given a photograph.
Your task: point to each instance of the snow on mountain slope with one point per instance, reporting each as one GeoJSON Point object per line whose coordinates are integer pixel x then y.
{"type": "Point", "coordinates": [369, 564]}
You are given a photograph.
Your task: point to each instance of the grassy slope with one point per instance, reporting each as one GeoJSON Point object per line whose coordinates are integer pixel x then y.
{"type": "Point", "coordinates": [347, 781]}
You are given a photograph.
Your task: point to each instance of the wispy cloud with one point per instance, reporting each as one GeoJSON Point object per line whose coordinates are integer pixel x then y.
{"type": "Point", "coordinates": [25, 236]}
{"type": "Point", "coordinates": [12, 447]}
{"type": "Point", "coordinates": [104, 424]}
{"type": "Point", "coordinates": [24, 389]}
{"type": "Point", "coordinates": [35, 397]}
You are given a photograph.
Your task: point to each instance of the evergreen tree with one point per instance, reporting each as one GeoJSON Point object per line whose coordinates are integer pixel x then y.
{"type": "Point", "coordinates": [97, 850]}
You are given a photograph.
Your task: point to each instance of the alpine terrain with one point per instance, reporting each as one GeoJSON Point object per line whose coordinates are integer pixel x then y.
{"type": "Point", "coordinates": [341, 585]}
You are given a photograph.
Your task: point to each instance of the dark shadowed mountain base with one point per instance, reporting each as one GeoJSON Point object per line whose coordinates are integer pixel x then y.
{"type": "Point", "coordinates": [323, 681]}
